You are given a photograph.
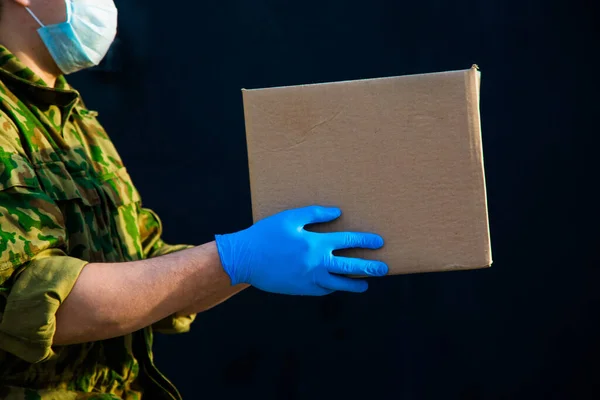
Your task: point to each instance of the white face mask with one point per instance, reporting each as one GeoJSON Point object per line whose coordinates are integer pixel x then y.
{"type": "Point", "coordinates": [83, 40]}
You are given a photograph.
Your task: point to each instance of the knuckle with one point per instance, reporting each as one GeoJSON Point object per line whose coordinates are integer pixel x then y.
{"type": "Point", "coordinates": [365, 268]}
{"type": "Point", "coordinates": [350, 240]}
{"type": "Point", "coordinates": [369, 240]}
{"type": "Point", "coordinates": [342, 266]}
{"type": "Point", "coordinates": [350, 266]}
{"type": "Point", "coordinates": [314, 258]}
{"type": "Point", "coordinates": [326, 261]}
{"type": "Point", "coordinates": [362, 240]}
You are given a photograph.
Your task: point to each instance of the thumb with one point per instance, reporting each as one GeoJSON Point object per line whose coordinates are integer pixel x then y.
{"type": "Point", "coordinates": [315, 214]}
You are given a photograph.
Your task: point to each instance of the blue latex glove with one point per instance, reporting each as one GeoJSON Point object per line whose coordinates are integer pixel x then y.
{"type": "Point", "coordinates": [278, 255]}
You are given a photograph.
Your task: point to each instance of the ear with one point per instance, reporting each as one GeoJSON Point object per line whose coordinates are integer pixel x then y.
{"type": "Point", "coordinates": [24, 3]}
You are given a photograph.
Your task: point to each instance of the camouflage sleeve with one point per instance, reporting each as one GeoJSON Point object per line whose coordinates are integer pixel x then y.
{"type": "Point", "coordinates": [154, 246]}
{"type": "Point", "coordinates": [35, 273]}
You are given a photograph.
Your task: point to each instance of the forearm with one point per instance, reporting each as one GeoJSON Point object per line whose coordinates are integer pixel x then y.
{"type": "Point", "coordinates": [214, 300]}
{"type": "Point", "coordinates": [113, 299]}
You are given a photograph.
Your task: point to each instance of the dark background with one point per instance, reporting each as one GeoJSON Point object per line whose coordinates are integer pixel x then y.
{"type": "Point", "coordinates": [169, 95]}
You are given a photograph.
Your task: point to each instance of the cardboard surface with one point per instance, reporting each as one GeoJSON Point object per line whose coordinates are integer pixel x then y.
{"type": "Point", "coordinates": [401, 156]}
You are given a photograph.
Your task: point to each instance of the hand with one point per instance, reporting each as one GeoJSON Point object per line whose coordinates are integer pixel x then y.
{"type": "Point", "coordinates": [278, 255]}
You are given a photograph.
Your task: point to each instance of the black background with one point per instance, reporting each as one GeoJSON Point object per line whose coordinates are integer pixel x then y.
{"type": "Point", "coordinates": [169, 96]}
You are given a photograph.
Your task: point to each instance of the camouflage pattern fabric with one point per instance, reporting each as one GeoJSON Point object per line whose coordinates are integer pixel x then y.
{"type": "Point", "coordinates": [65, 200]}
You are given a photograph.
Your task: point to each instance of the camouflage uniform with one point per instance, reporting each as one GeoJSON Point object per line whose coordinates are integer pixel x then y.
{"type": "Point", "coordinates": [65, 200]}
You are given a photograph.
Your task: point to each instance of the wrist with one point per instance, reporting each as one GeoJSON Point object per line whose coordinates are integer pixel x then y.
{"type": "Point", "coordinates": [225, 255]}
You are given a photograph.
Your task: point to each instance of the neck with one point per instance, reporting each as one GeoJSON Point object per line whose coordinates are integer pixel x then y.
{"type": "Point", "coordinates": [19, 35]}
{"type": "Point", "coordinates": [44, 67]}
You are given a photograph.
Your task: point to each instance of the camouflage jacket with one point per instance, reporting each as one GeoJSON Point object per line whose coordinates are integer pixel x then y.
{"type": "Point", "coordinates": [65, 200]}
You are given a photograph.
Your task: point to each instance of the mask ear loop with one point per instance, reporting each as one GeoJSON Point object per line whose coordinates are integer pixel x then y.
{"type": "Point", "coordinates": [69, 13]}
{"type": "Point", "coordinates": [34, 17]}
{"type": "Point", "coordinates": [69, 6]}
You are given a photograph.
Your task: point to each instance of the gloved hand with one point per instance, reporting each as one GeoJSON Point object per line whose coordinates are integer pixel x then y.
{"type": "Point", "coordinates": [278, 255]}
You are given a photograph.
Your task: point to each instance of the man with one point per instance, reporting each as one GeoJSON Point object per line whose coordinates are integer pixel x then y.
{"type": "Point", "coordinates": [85, 278]}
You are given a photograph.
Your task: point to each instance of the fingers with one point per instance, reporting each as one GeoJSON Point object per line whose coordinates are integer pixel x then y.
{"type": "Point", "coordinates": [357, 266]}
{"type": "Point", "coordinates": [340, 283]}
{"type": "Point", "coordinates": [315, 214]}
{"type": "Point", "coordinates": [349, 240]}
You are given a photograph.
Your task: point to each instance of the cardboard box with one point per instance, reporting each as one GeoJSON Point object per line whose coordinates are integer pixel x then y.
{"type": "Point", "coordinates": [401, 156]}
